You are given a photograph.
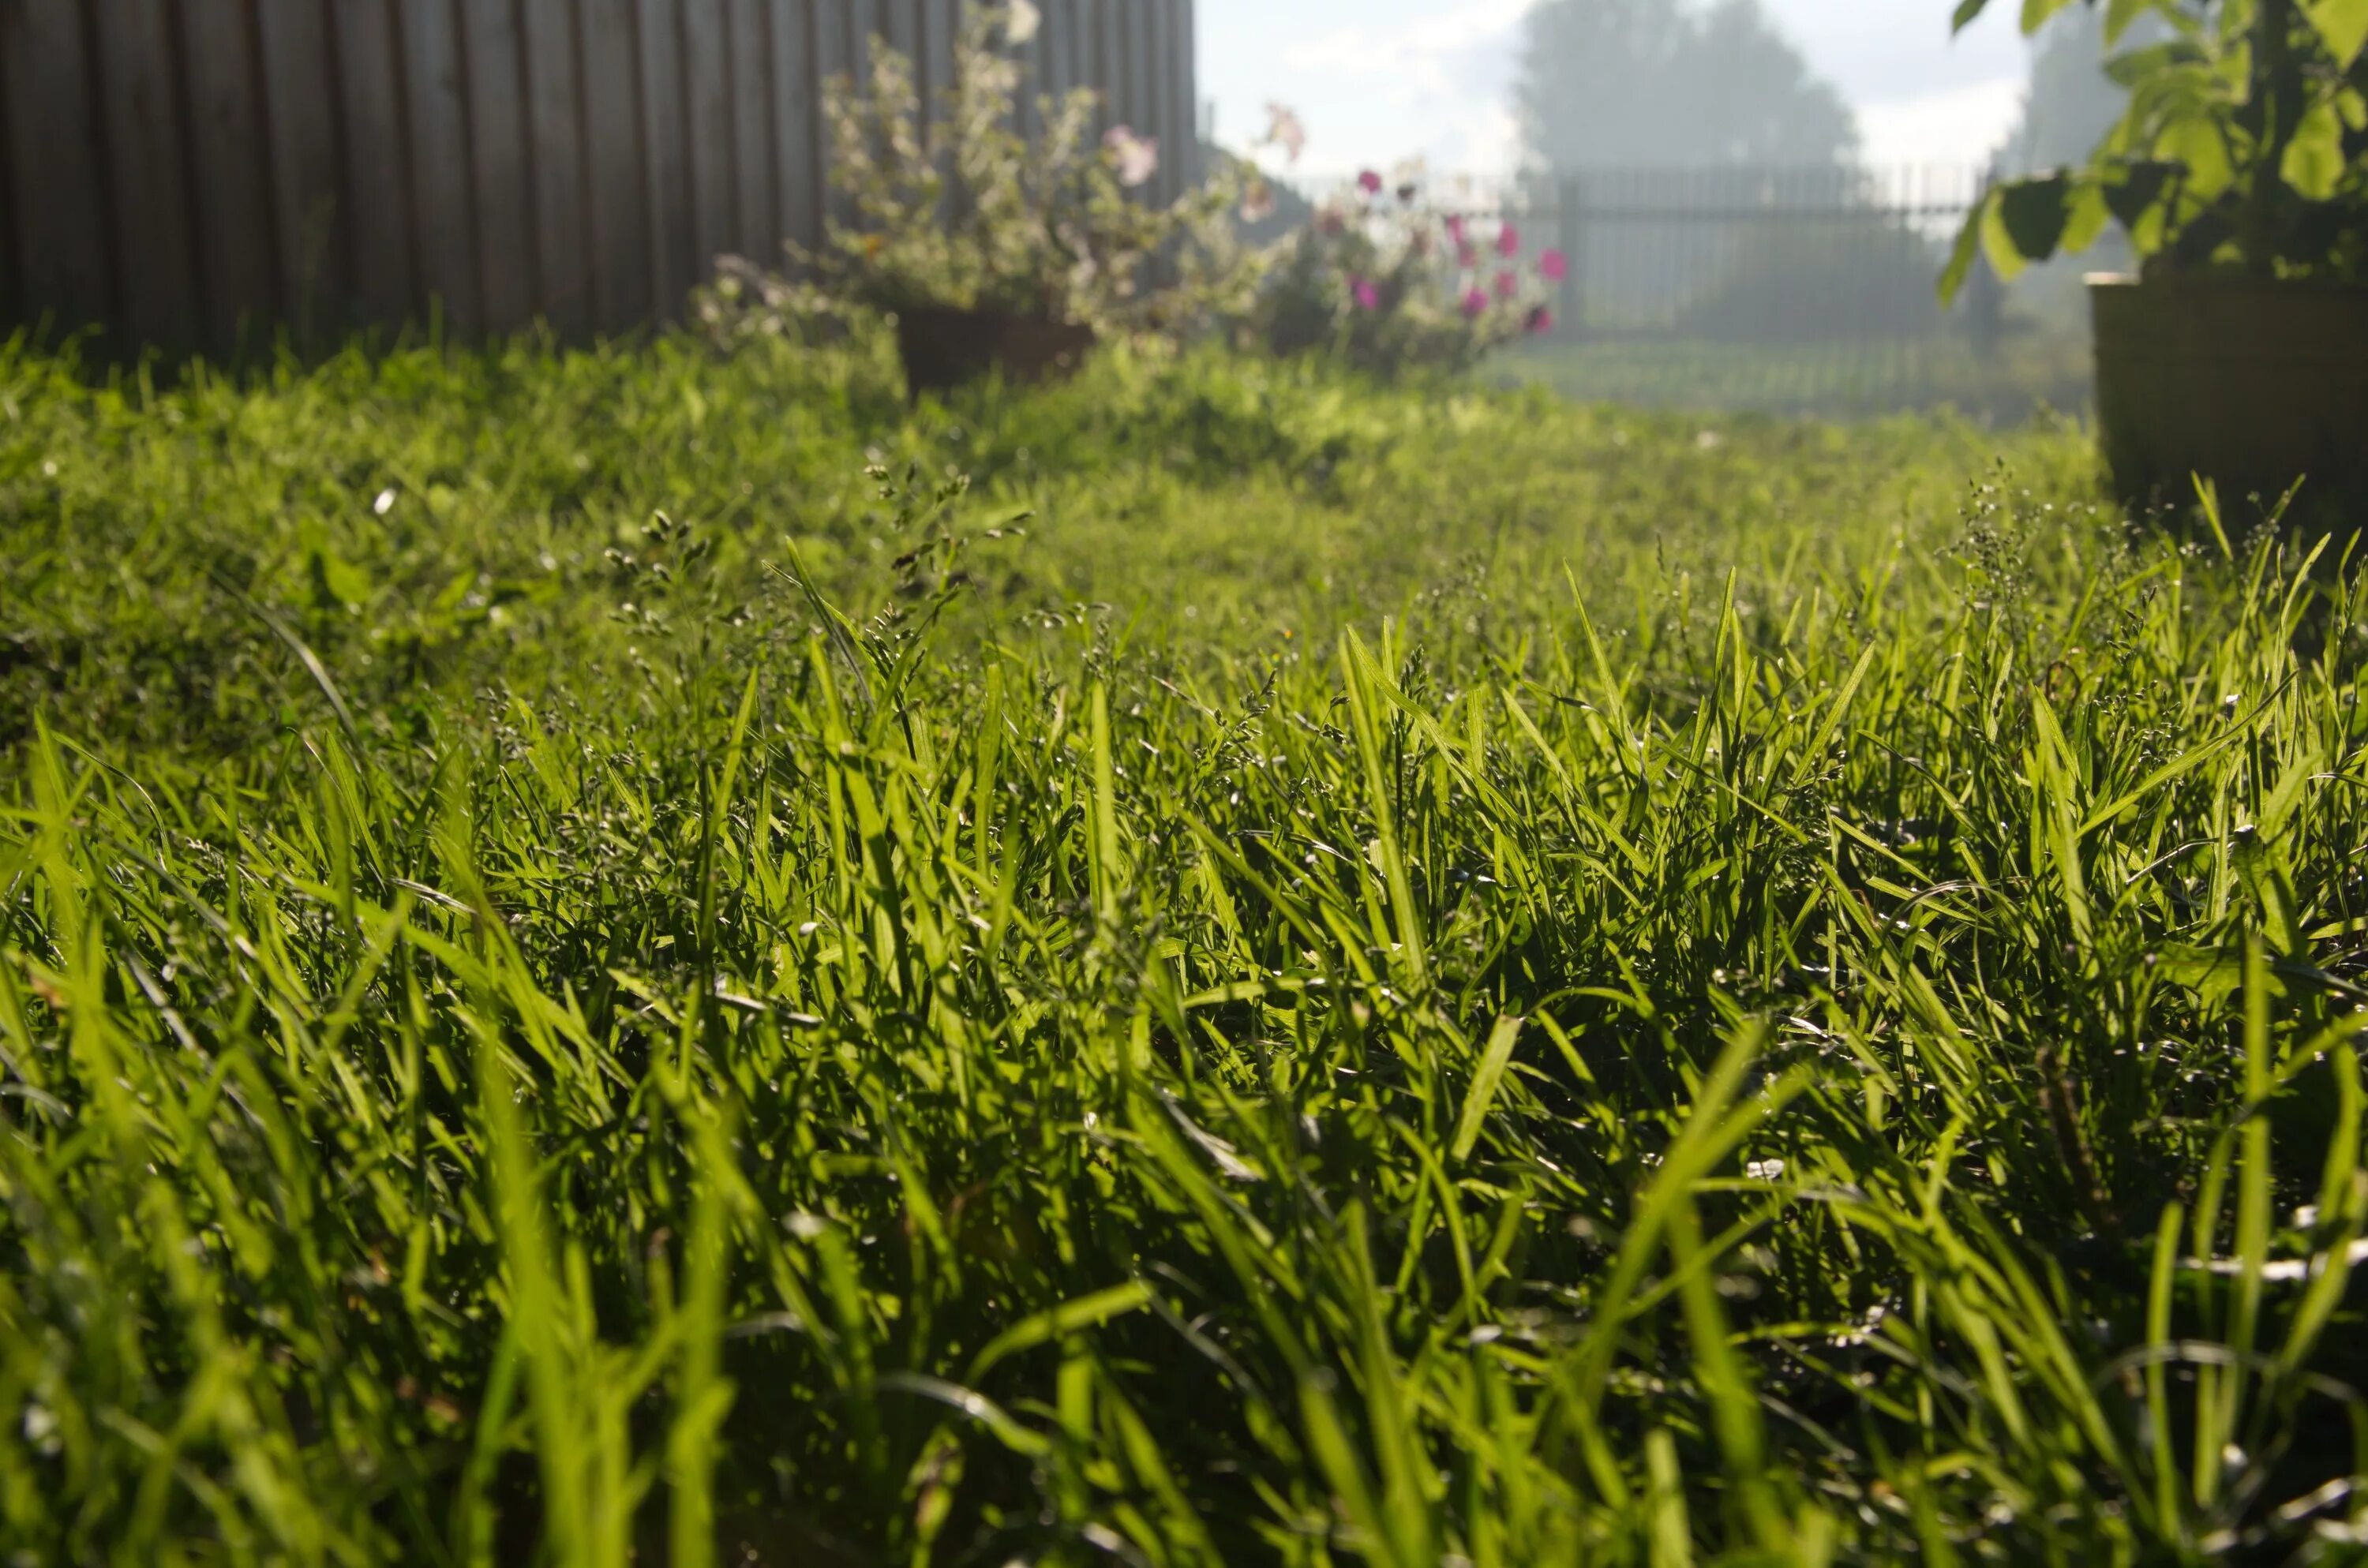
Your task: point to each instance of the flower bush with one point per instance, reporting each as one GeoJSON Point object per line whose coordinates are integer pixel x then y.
{"type": "Point", "coordinates": [962, 211]}
{"type": "Point", "coordinates": [1392, 280]}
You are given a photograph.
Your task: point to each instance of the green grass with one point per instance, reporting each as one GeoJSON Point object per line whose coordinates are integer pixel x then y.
{"type": "Point", "coordinates": [598, 962]}
{"type": "Point", "coordinates": [2043, 367]}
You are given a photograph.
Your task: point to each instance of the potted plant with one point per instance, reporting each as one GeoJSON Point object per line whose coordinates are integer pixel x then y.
{"type": "Point", "coordinates": [993, 251]}
{"type": "Point", "coordinates": [2238, 350]}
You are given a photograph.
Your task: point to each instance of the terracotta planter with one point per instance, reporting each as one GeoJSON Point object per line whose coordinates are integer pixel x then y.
{"type": "Point", "coordinates": [2251, 384]}
{"type": "Point", "coordinates": [944, 349]}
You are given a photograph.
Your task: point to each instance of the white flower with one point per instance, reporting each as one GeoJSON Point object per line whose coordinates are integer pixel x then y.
{"type": "Point", "coordinates": [1257, 202]}
{"type": "Point", "coordinates": [1284, 130]}
{"type": "Point", "coordinates": [1024, 20]}
{"type": "Point", "coordinates": [1138, 156]}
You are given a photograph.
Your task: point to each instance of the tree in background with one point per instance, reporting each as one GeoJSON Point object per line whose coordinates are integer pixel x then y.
{"type": "Point", "coordinates": [2071, 103]}
{"type": "Point", "coordinates": [1660, 84]}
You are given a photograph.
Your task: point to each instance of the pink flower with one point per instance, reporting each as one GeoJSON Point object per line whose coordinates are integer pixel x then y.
{"type": "Point", "coordinates": [1554, 265]}
{"type": "Point", "coordinates": [1507, 284]}
{"type": "Point", "coordinates": [1369, 298]}
{"type": "Point", "coordinates": [1370, 182]}
{"type": "Point", "coordinates": [1455, 230]}
{"type": "Point", "coordinates": [1466, 256]}
{"type": "Point", "coordinates": [1508, 240]}
{"type": "Point", "coordinates": [1475, 304]}
{"type": "Point", "coordinates": [1541, 322]}
{"type": "Point", "coordinates": [1138, 156]}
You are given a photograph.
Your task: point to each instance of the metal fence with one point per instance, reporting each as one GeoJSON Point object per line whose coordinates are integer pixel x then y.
{"type": "Point", "coordinates": [194, 173]}
{"type": "Point", "coordinates": [1756, 256]}
{"type": "Point", "coordinates": [1802, 290]}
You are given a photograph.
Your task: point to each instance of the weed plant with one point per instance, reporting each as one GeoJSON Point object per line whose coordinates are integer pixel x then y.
{"type": "Point", "coordinates": [602, 959]}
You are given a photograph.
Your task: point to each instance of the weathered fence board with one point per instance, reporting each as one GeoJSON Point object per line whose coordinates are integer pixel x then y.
{"type": "Point", "coordinates": [617, 181]}
{"type": "Point", "coordinates": [61, 241]}
{"type": "Point", "coordinates": [797, 124]}
{"type": "Point", "coordinates": [757, 226]}
{"type": "Point", "coordinates": [555, 148]}
{"type": "Point", "coordinates": [145, 136]}
{"type": "Point", "coordinates": [236, 230]}
{"type": "Point", "coordinates": [504, 176]}
{"type": "Point", "coordinates": [297, 68]}
{"type": "Point", "coordinates": [443, 215]}
{"type": "Point", "coordinates": [377, 214]}
{"type": "Point", "coordinates": [198, 174]}
{"type": "Point", "coordinates": [707, 95]}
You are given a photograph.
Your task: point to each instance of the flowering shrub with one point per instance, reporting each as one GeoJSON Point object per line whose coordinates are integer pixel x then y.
{"type": "Point", "coordinates": [1390, 279]}
{"type": "Point", "coordinates": [963, 212]}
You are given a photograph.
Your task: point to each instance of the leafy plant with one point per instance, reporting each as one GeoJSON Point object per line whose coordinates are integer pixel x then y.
{"type": "Point", "coordinates": [963, 211]}
{"type": "Point", "coordinates": [2243, 148]}
{"type": "Point", "coordinates": [1389, 280]}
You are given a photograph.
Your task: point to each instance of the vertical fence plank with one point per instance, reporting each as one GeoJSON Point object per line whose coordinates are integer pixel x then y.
{"type": "Point", "coordinates": [796, 91]}
{"type": "Point", "coordinates": [495, 72]}
{"type": "Point", "coordinates": [12, 299]}
{"type": "Point", "coordinates": [143, 113]}
{"type": "Point", "coordinates": [1188, 54]}
{"type": "Point", "coordinates": [892, 21]}
{"type": "Point", "coordinates": [1054, 40]}
{"type": "Point", "coordinates": [665, 120]}
{"type": "Point", "coordinates": [443, 194]}
{"type": "Point", "coordinates": [232, 201]}
{"type": "Point", "coordinates": [1188, 81]}
{"type": "Point", "coordinates": [757, 234]}
{"type": "Point", "coordinates": [839, 51]}
{"type": "Point", "coordinates": [619, 214]}
{"type": "Point", "coordinates": [940, 19]}
{"type": "Point", "coordinates": [377, 221]}
{"type": "Point", "coordinates": [708, 80]}
{"type": "Point", "coordinates": [55, 153]}
{"type": "Point", "coordinates": [865, 23]}
{"type": "Point", "coordinates": [1139, 58]}
{"type": "Point", "coordinates": [1165, 65]}
{"type": "Point", "coordinates": [1109, 69]}
{"type": "Point", "coordinates": [556, 163]}
{"type": "Point", "coordinates": [298, 73]}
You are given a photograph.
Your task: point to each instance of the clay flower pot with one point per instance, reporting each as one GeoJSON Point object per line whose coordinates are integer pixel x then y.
{"type": "Point", "coordinates": [2250, 383]}
{"type": "Point", "coordinates": [943, 348]}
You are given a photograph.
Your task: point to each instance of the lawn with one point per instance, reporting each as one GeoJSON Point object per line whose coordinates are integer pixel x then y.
{"type": "Point", "coordinates": [651, 956]}
{"type": "Point", "coordinates": [2041, 366]}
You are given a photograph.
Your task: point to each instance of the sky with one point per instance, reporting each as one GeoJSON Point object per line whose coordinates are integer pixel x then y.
{"type": "Point", "coordinates": [1378, 81]}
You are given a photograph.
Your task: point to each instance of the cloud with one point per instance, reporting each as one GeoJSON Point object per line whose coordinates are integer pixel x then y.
{"type": "Point", "coordinates": [1434, 56]}
{"type": "Point", "coordinates": [1953, 125]}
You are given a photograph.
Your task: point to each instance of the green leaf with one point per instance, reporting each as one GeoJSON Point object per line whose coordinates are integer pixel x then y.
{"type": "Point", "coordinates": [1966, 11]}
{"type": "Point", "coordinates": [1070, 1317]}
{"type": "Point", "coordinates": [2342, 26]}
{"type": "Point", "coordinates": [2086, 216]}
{"type": "Point", "coordinates": [1494, 1060]}
{"type": "Point", "coordinates": [2034, 213]}
{"type": "Point", "coordinates": [1968, 247]}
{"type": "Point", "coordinates": [2005, 258]}
{"type": "Point", "coordinates": [2194, 140]}
{"type": "Point", "coordinates": [2314, 160]}
{"type": "Point", "coordinates": [2037, 14]}
{"type": "Point", "coordinates": [2141, 186]}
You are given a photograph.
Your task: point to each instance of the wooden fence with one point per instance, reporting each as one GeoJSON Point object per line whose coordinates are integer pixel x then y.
{"type": "Point", "coordinates": [200, 173]}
